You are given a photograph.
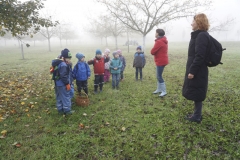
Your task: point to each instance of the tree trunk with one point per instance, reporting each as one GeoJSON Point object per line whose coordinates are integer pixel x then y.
{"type": "Point", "coordinates": [143, 46]}
{"type": "Point", "coordinates": [49, 45]}
{"type": "Point", "coordinates": [128, 40]}
{"type": "Point", "coordinates": [22, 51]}
{"type": "Point", "coordinates": [61, 42]}
{"type": "Point", "coordinates": [19, 45]}
{"type": "Point", "coordinates": [5, 42]}
{"type": "Point", "coordinates": [116, 42]}
{"type": "Point", "coordinates": [106, 41]}
{"type": "Point", "coordinates": [34, 42]}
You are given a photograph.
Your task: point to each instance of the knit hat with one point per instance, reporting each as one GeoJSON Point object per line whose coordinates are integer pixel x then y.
{"type": "Point", "coordinates": [119, 51]}
{"type": "Point", "coordinates": [79, 56]}
{"type": "Point", "coordinates": [107, 50]}
{"type": "Point", "coordinates": [98, 51]}
{"type": "Point", "coordinates": [139, 48]}
{"type": "Point", "coordinates": [114, 53]}
{"type": "Point", "coordinates": [66, 53]}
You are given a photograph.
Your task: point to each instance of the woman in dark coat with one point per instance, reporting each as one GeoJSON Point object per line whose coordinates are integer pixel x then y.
{"type": "Point", "coordinates": [196, 77]}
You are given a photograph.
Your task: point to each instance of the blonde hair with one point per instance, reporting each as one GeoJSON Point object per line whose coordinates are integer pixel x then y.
{"type": "Point", "coordinates": [202, 21]}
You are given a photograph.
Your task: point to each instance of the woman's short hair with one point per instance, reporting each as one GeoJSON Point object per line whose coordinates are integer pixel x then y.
{"type": "Point", "coordinates": [202, 21]}
{"type": "Point", "coordinates": [160, 32]}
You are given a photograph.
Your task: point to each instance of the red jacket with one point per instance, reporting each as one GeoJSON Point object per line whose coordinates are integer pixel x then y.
{"type": "Point", "coordinates": [160, 51]}
{"type": "Point", "coordinates": [99, 65]}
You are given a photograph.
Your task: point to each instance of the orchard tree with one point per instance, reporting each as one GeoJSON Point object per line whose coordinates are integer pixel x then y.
{"type": "Point", "coordinates": [143, 15]}
{"type": "Point", "coordinates": [100, 27]}
{"type": "Point", "coordinates": [18, 17]}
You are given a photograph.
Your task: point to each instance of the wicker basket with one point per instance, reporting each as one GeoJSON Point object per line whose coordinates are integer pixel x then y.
{"type": "Point", "coordinates": [82, 100]}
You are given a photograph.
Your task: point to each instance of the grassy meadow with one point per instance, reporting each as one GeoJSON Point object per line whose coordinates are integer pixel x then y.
{"type": "Point", "coordinates": [126, 124]}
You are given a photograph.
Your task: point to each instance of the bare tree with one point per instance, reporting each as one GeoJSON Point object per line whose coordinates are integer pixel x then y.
{"type": "Point", "coordinates": [61, 31]}
{"type": "Point", "coordinates": [116, 28]}
{"type": "Point", "coordinates": [49, 31]}
{"type": "Point", "coordinates": [101, 27]}
{"type": "Point", "coordinates": [143, 15]}
{"type": "Point", "coordinates": [222, 26]}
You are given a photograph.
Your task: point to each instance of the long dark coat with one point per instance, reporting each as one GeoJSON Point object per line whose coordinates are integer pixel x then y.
{"type": "Point", "coordinates": [196, 89]}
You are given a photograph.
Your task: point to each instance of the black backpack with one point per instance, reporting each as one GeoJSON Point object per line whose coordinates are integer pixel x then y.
{"type": "Point", "coordinates": [215, 53]}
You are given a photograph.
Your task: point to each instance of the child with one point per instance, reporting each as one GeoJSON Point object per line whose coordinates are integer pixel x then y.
{"type": "Point", "coordinates": [139, 62]}
{"type": "Point", "coordinates": [115, 67]}
{"type": "Point", "coordinates": [81, 73]}
{"type": "Point", "coordinates": [106, 72]}
{"type": "Point", "coordinates": [122, 58]}
{"type": "Point", "coordinates": [98, 66]}
{"type": "Point", "coordinates": [63, 83]}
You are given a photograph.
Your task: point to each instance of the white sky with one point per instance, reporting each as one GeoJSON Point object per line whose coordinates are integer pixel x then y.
{"type": "Point", "coordinates": [77, 13]}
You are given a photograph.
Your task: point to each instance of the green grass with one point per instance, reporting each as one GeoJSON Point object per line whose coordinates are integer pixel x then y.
{"type": "Point", "coordinates": [129, 123]}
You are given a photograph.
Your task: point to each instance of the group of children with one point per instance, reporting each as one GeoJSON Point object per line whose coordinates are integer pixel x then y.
{"type": "Point", "coordinates": [103, 67]}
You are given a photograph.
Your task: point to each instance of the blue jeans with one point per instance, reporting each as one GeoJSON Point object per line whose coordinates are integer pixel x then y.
{"type": "Point", "coordinates": [138, 69]}
{"type": "Point", "coordinates": [115, 80]}
{"type": "Point", "coordinates": [63, 99]}
{"type": "Point", "coordinates": [159, 73]}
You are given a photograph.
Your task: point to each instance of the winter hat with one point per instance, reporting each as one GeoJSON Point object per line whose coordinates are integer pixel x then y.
{"type": "Point", "coordinates": [98, 51]}
{"type": "Point", "coordinates": [119, 51]}
{"type": "Point", "coordinates": [114, 53]}
{"type": "Point", "coordinates": [139, 48]}
{"type": "Point", "coordinates": [79, 56]}
{"type": "Point", "coordinates": [66, 53]}
{"type": "Point", "coordinates": [107, 50]}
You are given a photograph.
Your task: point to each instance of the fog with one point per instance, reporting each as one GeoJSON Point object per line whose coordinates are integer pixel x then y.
{"type": "Point", "coordinates": [76, 13]}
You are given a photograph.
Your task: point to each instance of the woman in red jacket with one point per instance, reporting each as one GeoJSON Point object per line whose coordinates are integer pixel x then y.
{"type": "Point", "coordinates": [160, 53]}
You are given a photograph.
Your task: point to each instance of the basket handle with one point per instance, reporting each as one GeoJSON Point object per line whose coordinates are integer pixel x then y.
{"type": "Point", "coordinates": [84, 94]}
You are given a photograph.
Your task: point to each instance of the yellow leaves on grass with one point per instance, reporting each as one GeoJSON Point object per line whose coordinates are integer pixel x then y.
{"type": "Point", "coordinates": [4, 133]}
{"type": "Point", "coordinates": [16, 90]}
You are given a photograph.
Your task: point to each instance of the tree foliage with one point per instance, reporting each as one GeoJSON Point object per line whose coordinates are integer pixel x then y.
{"type": "Point", "coordinates": [18, 17]}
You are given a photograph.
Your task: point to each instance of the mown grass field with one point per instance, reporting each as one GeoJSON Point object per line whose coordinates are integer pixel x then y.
{"type": "Point", "coordinates": [130, 123]}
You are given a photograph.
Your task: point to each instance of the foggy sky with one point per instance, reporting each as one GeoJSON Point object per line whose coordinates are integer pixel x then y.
{"type": "Point", "coordinates": [77, 12]}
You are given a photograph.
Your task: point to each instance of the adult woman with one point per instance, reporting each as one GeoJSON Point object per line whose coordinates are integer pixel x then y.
{"type": "Point", "coordinates": [196, 76]}
{"type": "Point", "coordinates": [160, 53]}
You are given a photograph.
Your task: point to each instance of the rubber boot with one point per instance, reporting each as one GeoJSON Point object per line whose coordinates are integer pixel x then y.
{"type": "Point", "coordinates": [163, 89]}
{"type": "Point", "coordinates": [158, 89]}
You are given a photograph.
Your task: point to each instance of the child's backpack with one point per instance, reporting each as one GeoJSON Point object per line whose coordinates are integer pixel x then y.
{"type": "Point", "coordinates": [55, 73]}
{"type": "Point", "coordinates": [215, 53]}
{"type": "Point", "coordinates": [54, 69]}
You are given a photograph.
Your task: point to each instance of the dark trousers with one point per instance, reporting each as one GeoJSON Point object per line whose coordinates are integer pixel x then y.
{"type": "Point", "coordinates": [197, 110]}
{"type": "Point", "coordinates": [98, 81]}
{"type": "Point", "coordinates": [121, 75]}
{"type": "Point", "coordinates": [82, 85]}
{"type": "Point", "coordinates": [139, 69]}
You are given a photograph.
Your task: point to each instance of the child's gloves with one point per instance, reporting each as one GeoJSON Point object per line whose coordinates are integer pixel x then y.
{"type": "Point", "coordinates": [68, 87]}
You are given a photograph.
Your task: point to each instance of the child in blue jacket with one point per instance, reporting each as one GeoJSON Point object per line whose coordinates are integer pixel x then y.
{"type": "Point", "coordinates": [81, 73]}
{"type": "Point", "coordinates": [63, 83]}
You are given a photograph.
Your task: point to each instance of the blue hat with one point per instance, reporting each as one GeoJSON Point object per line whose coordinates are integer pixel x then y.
{"type": "Point", "coordinates": [139, 48]}
{"type": "Point", "coordinates": [79, 56]}
{"type": "Point", "coordinates": [98, 51]}
{"type": "Point", "coordinates": [66, 53]}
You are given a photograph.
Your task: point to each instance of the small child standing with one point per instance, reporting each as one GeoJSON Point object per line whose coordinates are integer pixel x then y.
{"type": "Point", "coordinates": [63, 83]}
{"type": "Point", "coordinates": [139, 62]}
{"type": "Point", "coordinates": [115, 67]}
{"type": "Point", "coordinates": [81, 73]}
{"type": "Point", "coordinates": [122, 58]}
{"type": "Point", "coordinates": [107, 72]}
{"type": "Point", "coordinates": [98, 67]}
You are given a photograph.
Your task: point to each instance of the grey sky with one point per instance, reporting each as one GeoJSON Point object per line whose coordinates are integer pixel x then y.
{"type": "Point", "coordinates": [77, 13]}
